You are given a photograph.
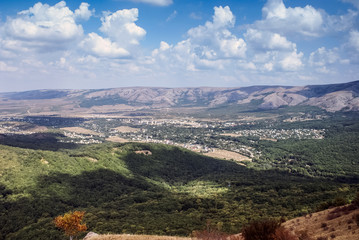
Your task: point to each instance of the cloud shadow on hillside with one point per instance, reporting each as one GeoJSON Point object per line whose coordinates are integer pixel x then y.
{"type": "Point", "coordinates": [36, 141]}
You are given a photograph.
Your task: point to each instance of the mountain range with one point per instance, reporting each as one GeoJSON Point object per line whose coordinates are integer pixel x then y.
{"type": "Point", "coordinates": [332, 98]}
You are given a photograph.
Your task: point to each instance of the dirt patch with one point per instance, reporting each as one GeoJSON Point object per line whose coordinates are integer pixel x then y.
{"type": "Point", "coordinates": [80, 130]}
{"type": "Point", "coordinates": [43, 161]}
{"type": "Point", "coordinates": [227, 155]}
{"type": "Point", "coordinates": [144, 152]}
{"type": "Point", "coordinates": [92, 159]}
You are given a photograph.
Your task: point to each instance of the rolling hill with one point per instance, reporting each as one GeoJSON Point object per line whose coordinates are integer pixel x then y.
{"type": "Point", "coordinates": [169, 192]}
{"type": "Point", "coordinates": [332, 98]}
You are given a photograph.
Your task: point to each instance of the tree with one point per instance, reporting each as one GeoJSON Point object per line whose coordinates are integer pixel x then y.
{"type": "Point", "coordinates": [71, 223]}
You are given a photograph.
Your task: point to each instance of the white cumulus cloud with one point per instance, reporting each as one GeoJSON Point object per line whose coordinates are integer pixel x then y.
{"type": "Point", "coordinates": [292, 62]}
{"type": "Point", "coordinates": [208, 46]}
{"type": "Point", "coordinates": [271, 51]}
{"type": "Point", "coordinates": [306, 21]}
{"type": "Point", "coordinates": [120, 26]}
{"type": "Point", "coordinates": [122, 35]}
{"type": "Point", "coordinates": [45, 27]}
{"type": "Point", "coordinates": [103, 47]}
{"type": "Point", "coordinates": [83, 11]}
{"type": "Point", "coordinates": [322, 57]}
{"type": "Point", "coordinates": [266, 40]}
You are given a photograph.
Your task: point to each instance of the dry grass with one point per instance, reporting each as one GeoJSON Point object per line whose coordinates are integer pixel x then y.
{"type": "Point", "coordinates": [332, 223]}
{"type": "Point", "coordinates": [135, 237]}
{"type": "Point", "coordinates": [227, 155]}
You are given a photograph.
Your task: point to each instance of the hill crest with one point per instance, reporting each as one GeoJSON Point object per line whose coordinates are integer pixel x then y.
{"type": "Point", "coordinates": [332, 98]}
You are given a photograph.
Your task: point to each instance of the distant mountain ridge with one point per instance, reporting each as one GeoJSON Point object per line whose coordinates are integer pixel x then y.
{"type": "Point", "coordinates": [331, 97]}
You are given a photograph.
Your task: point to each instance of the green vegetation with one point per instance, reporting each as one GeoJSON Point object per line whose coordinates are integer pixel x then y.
{"type": "Point", "coordinates": [171, 192]}
{"type": "Point", "coordinates": [335, 156]}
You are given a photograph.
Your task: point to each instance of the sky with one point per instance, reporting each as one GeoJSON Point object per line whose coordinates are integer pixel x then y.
{"type": "Point", "coordinates": [177, 43]}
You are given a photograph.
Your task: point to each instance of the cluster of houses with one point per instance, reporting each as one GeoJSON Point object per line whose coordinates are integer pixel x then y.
{"type": "Point", "coordinates": [79, 138]}
{"type": "Point", "coordinates": [300, 133]}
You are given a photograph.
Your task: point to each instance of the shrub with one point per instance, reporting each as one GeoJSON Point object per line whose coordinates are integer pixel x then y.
{"type": "Point", "coordinates": [339, 201]}
{"type": "Point", "coordinates": [261, 230]}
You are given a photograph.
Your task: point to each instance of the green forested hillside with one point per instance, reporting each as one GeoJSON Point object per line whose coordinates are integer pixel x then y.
{"type": "Point", "coordinates": [172, 191]}
{"type": "Point", "coordinates": [335, 156]}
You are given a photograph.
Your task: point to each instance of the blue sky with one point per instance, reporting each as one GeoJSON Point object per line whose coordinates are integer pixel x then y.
{"type": "Point", "coordinates": [176, 43]}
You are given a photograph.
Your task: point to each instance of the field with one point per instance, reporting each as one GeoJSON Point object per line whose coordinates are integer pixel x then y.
{"type": "Point", "coordinates": [227, 155]}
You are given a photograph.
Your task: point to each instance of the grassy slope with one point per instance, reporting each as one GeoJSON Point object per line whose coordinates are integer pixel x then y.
{"type": "Point", "coordinates": [171, 192]}
{"type": "Point", "coordinates": [332, 223]}
{"type": "Point", "coordinates": [335, 223]}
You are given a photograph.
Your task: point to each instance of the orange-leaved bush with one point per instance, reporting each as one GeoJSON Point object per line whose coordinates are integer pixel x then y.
{"type": "Point", "coordinates": [70, 223]}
